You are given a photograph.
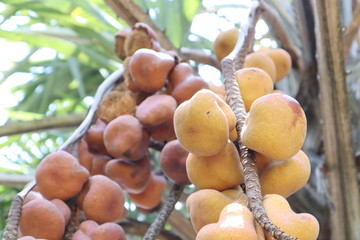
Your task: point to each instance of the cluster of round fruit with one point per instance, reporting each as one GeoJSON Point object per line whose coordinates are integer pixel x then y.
{"type": "Point", "coordinates": [274, 128]}
{"type": "Point", "coordinates": [113, 157]}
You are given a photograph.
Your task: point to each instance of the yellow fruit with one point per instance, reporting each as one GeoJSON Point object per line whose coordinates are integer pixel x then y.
{"type": "Point", "coordinates": [225, 43]}
{"type": "Point", "coordinates": [275, 126]}
{"type": "Point", "coordinates": [302, 226]}
{"type": "Point", "coordinates": [285, 177]}
{"type": "Point", "coordinates": [263, 61]}
{"type": "Point", "coordinates": [201, 125]}
{"type": "Point", "coordinates": [282, 60]}
{"type": "Point", "coordinates": [253, 83]}
{"type": "Point", "coordinates": [219, 172]}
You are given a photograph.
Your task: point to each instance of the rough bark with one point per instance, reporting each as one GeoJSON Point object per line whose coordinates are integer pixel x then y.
{"type": "Point", "coordinates": [339, 152]}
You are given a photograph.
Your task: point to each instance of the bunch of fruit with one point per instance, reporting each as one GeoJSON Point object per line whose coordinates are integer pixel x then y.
{"type": "Point", "coordinates": [274, 128]}
{"type": "Point", "coordinates": [113, 158]}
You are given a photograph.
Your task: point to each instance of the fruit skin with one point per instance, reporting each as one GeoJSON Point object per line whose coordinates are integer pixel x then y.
{"type": "Point", "coordinates": [90, 230]}
{"type": "Point", "coordinates": [156, 109]}
{"type": "Point", "coordinates": [225, 43]}
{"type": "Point", "coordinates": [284, 177]}
{"type": "Point", "coordinates": [201, 126]}
{"type": "Point", "coordinates": [120, 37]}
{"type": "Point", "coordinates": [204, 206]}
{"type": "Point", "coordinates": [125, 138]}
{"type": "Point", "coordinates": [132, 176]}
{"type": "Point", "coordinates": [187, 88]}
{"type": "Point", "coordinates": [303, 226]}
{"type": "Point", "coordinates": [149, 69]}
{"type": "Point", "coordinates": [263, 61]}
{"type": "Point", "coordinates": [282, 60]}
{"type": "Point", "coordinates": [253, 83]}
{"type": "Point", "coordinates": [173, 162]}
{"type": "Point", "coordinates": [36, 216]}
{"type": "Point", "coordinates": [179, 74]}
{"type": "Point", "coordinates": [102, 200]}
{"type": "Point", "coordinates": [59, 175]}
{"type": "Point", "coordinates": [151, 196]}
{"type": "Point", "coordinates": [219, 172]}
{"type": "Point", "coordinates": [275, 126]}
{"type": "Point", "coordinates": [116, 103]}
{"type": "Point", "coordinates": [235, 223]}
{"type": "Point", "coordinates": [94, 137]}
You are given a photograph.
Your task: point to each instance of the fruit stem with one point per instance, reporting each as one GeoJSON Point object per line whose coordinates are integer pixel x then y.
{"type": "Point", "coordinates": [11, 228]}
{"type": "Point", "coordinates": [236, 103]}
{"type": "Point", "coordinates": [160, 220]}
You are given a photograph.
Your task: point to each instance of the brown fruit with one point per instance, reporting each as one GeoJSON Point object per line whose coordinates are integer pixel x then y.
{"type": "Point", "coordinates": [219, 90]}
{"type": "Point", "coordinates": [95, 138]}
{"type": "Point", "coordinates": [59, 175]}
{"type": "Point", "coordinates": [151, 196]}
{"type": "Point", "coordinates": [116, 103]}
{"type": "Point", "coordinates": [253, 83]}
{"type": "Point", "coordinates": [186, 89]}
{"type": "Point", "coordinates": [36, 216]}
{"type": "Point", "coordinates": [27, 238]}
{"type": "Point", "coordinates": [84, 155]}
{"type": "Point", "coordinates": [173, 162]}
{"type": "Point", "coordinates": [120, 41]}
{"type": "Point", "coordinates": [142, 36]}
{"type": "Point", "coordinates": [149, 69]}
{"type": "Point", "coordinates": [156, 109]}
{"type": "Point", "coordinates": [163, 133]}
{"type": "Point", "coordinates": [225, 43]}
{"type": "Point", "coordinates": [219, 172]}
{"type": "Point", "coordinates": [129, 82]}
{"type": "Point", "coordinates": [32, 195]}
{"type": "Point", "coordinates": [275, 126]}
{"type": "Point", "coordinates": [263, 61]}
{"type": "Point", "coordinates": [102, 200]}
{"type": "Point", "coordinates": [125, 138]}
{"type": "Point", "coordinates": [282, 60]}
{"type": "Point", "coordinates": [64, 209]}
{"type": "Point", "coordinates": [179, 74]}
{"type": "Point", "coordinates": [132, 176]}
{"type": "Point", "coordinates": [108, 231]}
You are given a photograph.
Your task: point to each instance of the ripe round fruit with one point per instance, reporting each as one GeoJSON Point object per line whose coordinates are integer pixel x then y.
{"type": "Point", "coordinates": [225, 43]}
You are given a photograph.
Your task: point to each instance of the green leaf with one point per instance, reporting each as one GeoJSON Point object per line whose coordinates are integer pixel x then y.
{"type": "Point", "coordinates": [190, 8]}
{"type": "Point", "coordinates": [77, 75]}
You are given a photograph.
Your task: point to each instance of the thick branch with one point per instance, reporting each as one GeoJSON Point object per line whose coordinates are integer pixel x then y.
{"type": "Point", "coordinates": [46, 123]}
{"type": "Point", "coordinates": [339, 152]}
{"type": "Point", "coordinates": [14, 180]}
{"type": "Point", "coordinates": [132, 13]}
{"type": "Point", "coordinates": [200, 56]}
{"type": "Point", "coordinates": [351, 31]}
{"type": "Point", "coordinates": [164, 213]}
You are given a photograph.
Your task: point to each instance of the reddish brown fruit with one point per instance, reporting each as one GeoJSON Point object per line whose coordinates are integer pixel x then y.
{"type": "Point", "coordinates": [102, 200]}
{"type": "Point", "coordinates": [173, 162]}
{"type": "Point", "coordinates": [36, 216]}
{"type": "Point", "coordinates": [186, 89]}
{"type": "Point", "coordinates": [151, 196]}
{"type": "Point", "coordinates": [179, 74]}
{"type": "Point", "coordinates": [108, 231]}
{"type": "Point", "coordinates": [59, 175]}
{"type": "Point", "coordinates": [125, 138]}
{"type": "Point", "coordinates": [149, 69]}
{"type": "Point", "coordinates": [95, 138]}
{"type": "Point", "coordinates": [132, 176]}
{"type": "Point", "coordinates": [163, 132]}
{"type": "Point", "coordinates": [120, 41]}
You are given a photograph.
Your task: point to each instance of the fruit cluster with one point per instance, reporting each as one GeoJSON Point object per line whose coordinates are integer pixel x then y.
{"type": "Point", "coordinates": [274, 128]}
{"type": "Point", "coordinates": [113, 158]}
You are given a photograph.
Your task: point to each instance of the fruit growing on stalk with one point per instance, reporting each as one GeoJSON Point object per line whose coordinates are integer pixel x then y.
{"type": "Point", "coordinates": [125, 138]}
{"type": "Point", "coordinates": [302, 226]}
{"type": "Point", "coordinates": [201, 125]}
{"type": "Point", "coordinates": [263, 61]}
{"type": "Point", "coordinates": [90, 230]}
{"type": "Point", "coordinates": [275, 126]}
{"type": "Point", "coordinates": [59, 175]}
{"type": "Point", "coordinates": [187, 88]}
{"type": "Point", "coordinates": [253, 83]}
{"type": "Point", "coordinates": [219, 172]}
{"type": "Point", "coordinates": [235, 222]}
{"type": "Point", "coordinates": [284, 177]}
{"type": "Point", "coordinates": [282, 60]}
{"type": "Point", "coordinates": [225, 43]}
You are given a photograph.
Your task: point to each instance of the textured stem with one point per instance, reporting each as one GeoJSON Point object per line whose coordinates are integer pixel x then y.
{"type": "Point", "coordinates": [11, 228]}
{"type": "Point", "coordinates": [236, 103]}
{"type": "Point", "coordinates": [164, 213]}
